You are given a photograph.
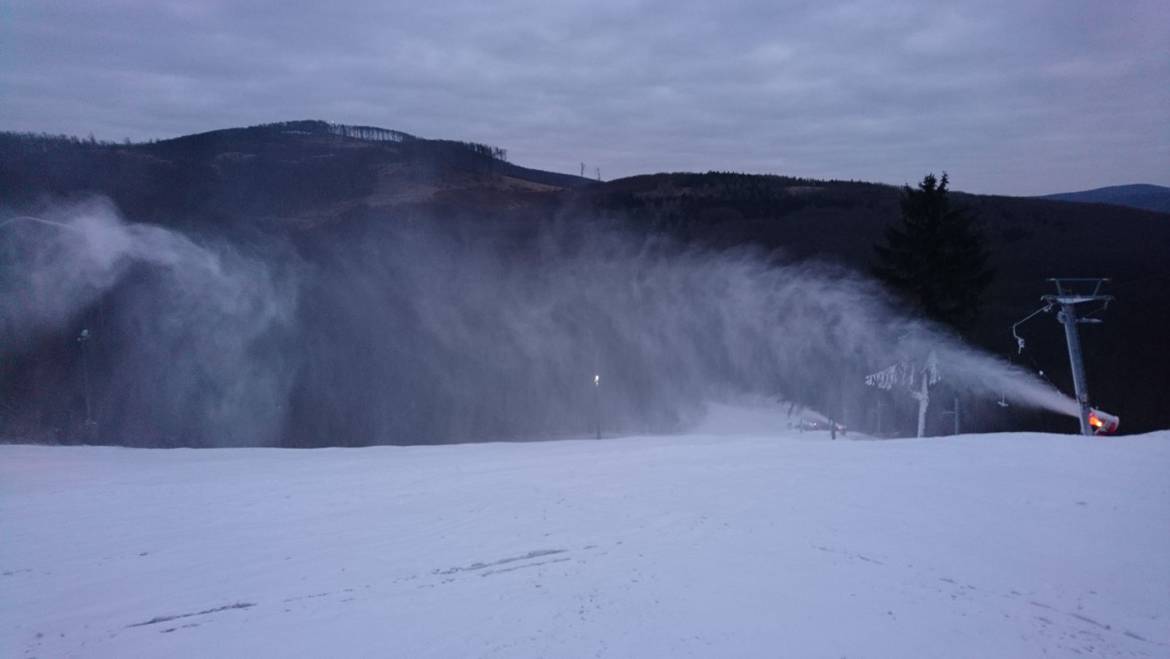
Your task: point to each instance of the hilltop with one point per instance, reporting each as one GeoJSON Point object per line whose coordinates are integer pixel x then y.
{"type": "Point", "coordinates": [298, 172]}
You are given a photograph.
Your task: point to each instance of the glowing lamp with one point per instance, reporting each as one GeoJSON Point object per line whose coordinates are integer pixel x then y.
{"type": "Point", "coordinates": [1103, 423]}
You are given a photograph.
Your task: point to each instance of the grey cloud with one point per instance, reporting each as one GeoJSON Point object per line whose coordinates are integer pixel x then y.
{"type": "Point", "coordinates": [1015, 98]}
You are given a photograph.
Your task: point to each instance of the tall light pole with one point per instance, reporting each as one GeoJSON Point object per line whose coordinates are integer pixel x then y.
{"type": "Point", "coordinates": [597, 402]}
{"type": "Point", "coordinates": [83, 341]}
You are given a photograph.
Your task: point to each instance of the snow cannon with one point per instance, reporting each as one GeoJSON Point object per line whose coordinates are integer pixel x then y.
{"type": "Point", "coordinates": [1103, 423]}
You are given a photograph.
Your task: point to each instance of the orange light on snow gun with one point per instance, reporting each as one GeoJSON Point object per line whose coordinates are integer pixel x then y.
{"type": "Point", "coordinates": [1103, 423]}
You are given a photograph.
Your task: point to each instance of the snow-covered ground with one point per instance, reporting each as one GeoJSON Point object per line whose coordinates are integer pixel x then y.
{"type": "Point", "coordinates": [1013, 545]}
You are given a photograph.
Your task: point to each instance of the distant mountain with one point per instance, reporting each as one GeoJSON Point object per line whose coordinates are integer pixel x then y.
{"type": "Point", "coordinates": [302, 173]}
{"type": "Point", "coordinates": [1138, 195]}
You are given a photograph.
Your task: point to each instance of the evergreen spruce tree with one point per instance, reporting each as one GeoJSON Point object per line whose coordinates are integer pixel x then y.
{"type": "Point", "coordinates": [935, 257]}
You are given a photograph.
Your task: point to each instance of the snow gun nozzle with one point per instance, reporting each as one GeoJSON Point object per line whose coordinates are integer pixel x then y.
{"type": "Point", "coordinates": [1103, 423]}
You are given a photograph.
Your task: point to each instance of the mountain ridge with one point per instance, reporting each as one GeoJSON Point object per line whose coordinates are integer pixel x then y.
{"type": "Point", "coordinates": [1134, 195]}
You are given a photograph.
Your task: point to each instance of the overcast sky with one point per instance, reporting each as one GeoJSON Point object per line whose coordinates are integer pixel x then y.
{"type": "Point", "coordinates": [1012, 97]}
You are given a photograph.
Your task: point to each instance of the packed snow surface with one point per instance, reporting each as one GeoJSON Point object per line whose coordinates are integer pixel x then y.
{"type": "Point", "coordinates": [1013, 545]}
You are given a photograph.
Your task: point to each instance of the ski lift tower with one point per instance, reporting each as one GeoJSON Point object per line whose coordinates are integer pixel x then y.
{"type": "Point", "coordinates": [1071, 293]}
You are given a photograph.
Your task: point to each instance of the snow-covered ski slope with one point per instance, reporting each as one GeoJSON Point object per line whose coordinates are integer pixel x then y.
{"type": "Point", "coordinates": [1012, 545]}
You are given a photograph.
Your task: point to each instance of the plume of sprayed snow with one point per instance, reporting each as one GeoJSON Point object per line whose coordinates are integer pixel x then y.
{"type": "Point", "coordinates": [184, 336]}
{"type": "Point", "coordinates": [474, 337]}
{"type": "Point", "coordinates": [408, 333]}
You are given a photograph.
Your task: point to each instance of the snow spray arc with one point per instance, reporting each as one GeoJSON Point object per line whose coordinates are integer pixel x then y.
{"type": "Point", "coordinates": [431, 332]}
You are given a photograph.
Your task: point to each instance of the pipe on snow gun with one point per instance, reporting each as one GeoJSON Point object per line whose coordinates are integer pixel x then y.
{"type": "Point", "coordinates": [1103, 423]}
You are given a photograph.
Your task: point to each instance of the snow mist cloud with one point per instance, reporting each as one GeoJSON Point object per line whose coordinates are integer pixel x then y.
{"type": "Point", "coordinates": [178, 357]}
{"type": "Point", "coordinates": [398, 332]}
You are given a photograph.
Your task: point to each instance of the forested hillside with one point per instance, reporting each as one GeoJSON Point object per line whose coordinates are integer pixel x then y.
{"type": "Point", "coordinates": [334, 196]}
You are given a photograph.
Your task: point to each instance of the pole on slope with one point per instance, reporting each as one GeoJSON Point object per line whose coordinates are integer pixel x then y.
{"type": "Point", "coordinates": [954, 414]}
{"type": "Point", "coordinates": [1068, 317]}
{"type": "Point", "coordinates": [1068, 297]}
{"type": "Point", "coordinates": [923, 397]}
{"type": "Point", "coordinates": [597, 402]}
